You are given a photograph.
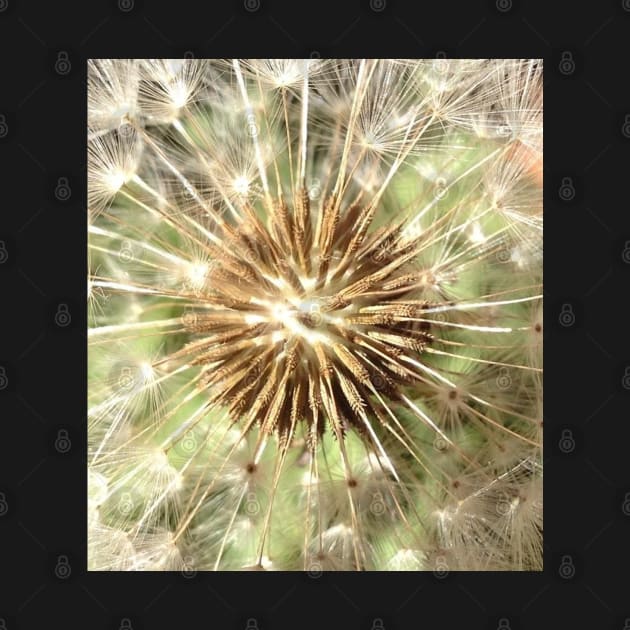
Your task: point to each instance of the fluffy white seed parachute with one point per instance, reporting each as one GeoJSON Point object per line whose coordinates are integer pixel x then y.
{"type": "Point", "coordinates": [315, 314]}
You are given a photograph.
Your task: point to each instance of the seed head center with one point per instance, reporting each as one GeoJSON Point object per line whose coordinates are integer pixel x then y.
{"type": "Point", "coordinates": [301, 316]}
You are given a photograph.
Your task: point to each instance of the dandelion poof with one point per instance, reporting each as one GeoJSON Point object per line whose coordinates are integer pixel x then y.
{"type": "Point", "coordinates": [315, 310]}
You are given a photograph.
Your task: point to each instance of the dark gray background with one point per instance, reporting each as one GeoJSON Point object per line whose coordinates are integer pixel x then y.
{"type": "Point", "coordinates": [43, 52]}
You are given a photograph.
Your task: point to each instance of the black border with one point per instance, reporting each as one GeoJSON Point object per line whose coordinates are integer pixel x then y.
{"type": "Point", "coordinates": [587, 266]}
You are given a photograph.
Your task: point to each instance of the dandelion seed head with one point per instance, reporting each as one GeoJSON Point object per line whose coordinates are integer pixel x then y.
{"type": "Point", "coordinates": [114, 180]}
{"type": "Point", "coordinates": [241, 185]}
{"type": "Point", "coordinates": [157, 551]}
{"type": "Point", "coordinates": [319, 284]}
{"type": "Point", "coordinates": [109, 549]}
{"type": "Point", "coordinates": [113, 160]}
{"type": "Point", "coordinates": [112, 93]}
{"type": "Point", "coordinates": [170, 86]}
{"type": "Point", "coordinates": [197, 273]}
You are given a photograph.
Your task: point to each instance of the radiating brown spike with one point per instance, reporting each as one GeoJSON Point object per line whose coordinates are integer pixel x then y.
{"type": "Point", "coordinates": [360, 229]}
{"type": "Point", "coordinates": [329, 222]}
{"type": "Point", "coordinates": [334, 303]}
{"type": "Point", "coordinates": [351, 363]}
{"type": "Point", "coordinates": [274, 410]}
{"type": "Point", "coordinates": [325, 366]}
{"type": "Point", "coordinates": [281, 226]}
{"type": "Point", "coordinates": [303, 218]}
{"type": "Point", "coordinates": [351, 393]}
{"type": "Point", "coordinates": [400, 282]}
{"type": "Point", "coordinates": [344, 226]}
{"type": "Point", "coordinates": [324, 220]}
{"type": "Point", "coordinates": [382, 245]}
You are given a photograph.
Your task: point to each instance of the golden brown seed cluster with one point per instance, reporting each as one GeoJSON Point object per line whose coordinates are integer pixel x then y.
{"type": "Point", "coordinates": [309, 319]}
